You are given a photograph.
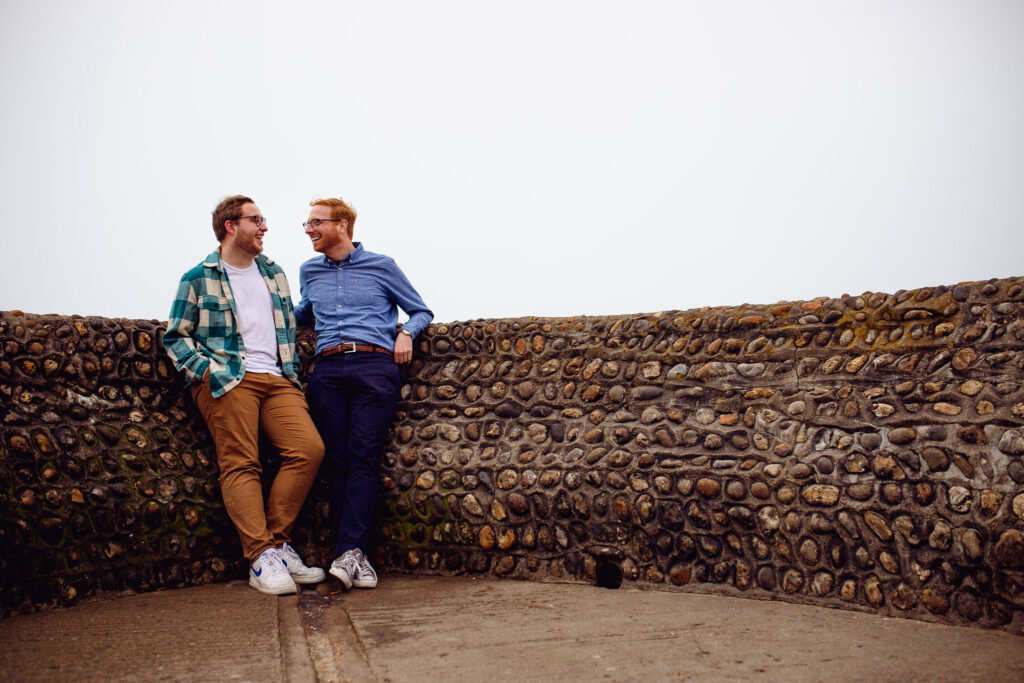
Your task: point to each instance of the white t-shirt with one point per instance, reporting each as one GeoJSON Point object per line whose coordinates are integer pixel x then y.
{"type": "Point", "coordinates": [255, 318]}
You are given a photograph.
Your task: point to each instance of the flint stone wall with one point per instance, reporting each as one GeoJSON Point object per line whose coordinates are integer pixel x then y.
{"type": "Point", "coordinates": [863, 452]}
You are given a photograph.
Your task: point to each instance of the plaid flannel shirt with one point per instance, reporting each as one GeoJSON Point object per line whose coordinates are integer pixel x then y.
{"type": "Point", "coordinates": [202, 331]}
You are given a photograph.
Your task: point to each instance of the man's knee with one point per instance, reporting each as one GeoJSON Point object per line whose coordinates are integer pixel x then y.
{"type": "Point", "coordinates": [315, 451]}
{"type": "Point", "coordinates": [234, 468]}
{"type": "Point", "coordinates": [309, 448]}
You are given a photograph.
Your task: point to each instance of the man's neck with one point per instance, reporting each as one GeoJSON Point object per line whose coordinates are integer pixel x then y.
{"type": "Point", "coordinates": [340, 251]}
{"type": "Point", "coordinates": [235, 257]}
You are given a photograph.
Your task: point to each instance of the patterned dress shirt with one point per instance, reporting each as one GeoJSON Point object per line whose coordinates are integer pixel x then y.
{"type": "Point", "coordinates": [357, 299]}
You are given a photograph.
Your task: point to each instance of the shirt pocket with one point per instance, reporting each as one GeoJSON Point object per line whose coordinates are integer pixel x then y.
{"type": "Point", "coordinates": [214, 315]}
{"type": "Point", "coordinates": [365, 294]}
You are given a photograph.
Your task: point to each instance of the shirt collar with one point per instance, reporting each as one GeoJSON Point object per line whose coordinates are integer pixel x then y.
{"type": "Point", "coordinates": [213, 259]}
{"type": "Point", "coordinates": [350, 257]}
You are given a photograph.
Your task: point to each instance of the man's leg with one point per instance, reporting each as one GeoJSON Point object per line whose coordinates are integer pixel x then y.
{"type": "Point", "coordinates": [233, 421]}
{"type": "Point", "coordinates": [284, 417]}
{"type": "Point", "coordinates": [374, 382]}
{"type": "Point", "coordinates": [329, 401]}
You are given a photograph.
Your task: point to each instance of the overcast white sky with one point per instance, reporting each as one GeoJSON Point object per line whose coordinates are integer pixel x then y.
{"type": "Point", "coordinates": [528, 158]}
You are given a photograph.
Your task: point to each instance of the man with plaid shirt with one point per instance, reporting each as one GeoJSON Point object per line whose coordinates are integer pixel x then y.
{"type": "Point", "coordinates": [231, 332]}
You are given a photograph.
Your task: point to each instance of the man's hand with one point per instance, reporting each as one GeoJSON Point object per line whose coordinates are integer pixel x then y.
{"type": "Point", "coordinates": [403, 348]}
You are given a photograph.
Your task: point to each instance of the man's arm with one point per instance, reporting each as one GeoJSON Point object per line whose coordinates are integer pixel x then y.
{"type": "Point", "coordinates": [290, 321]}
{"type": "Point", "coordinates": [409, 300]}
{"type": "Point", "coordinates": [178, 340]}
{"type": "Point", "coordinates": [303, 309]}
{"type": "Point", "coordinates": [403, 347]}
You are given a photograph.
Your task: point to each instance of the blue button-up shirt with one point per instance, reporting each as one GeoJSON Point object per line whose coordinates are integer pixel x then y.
{"type": "Point", "coordinates": [357, 299]}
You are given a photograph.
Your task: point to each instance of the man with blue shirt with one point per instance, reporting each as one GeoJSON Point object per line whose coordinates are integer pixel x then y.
{"type": "Point", "coordinates": [354, 295]}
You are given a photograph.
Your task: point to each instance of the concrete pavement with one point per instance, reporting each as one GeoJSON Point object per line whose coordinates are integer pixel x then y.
{"type": "Point", "coordinates": [421, 628]}
{"type": "Point", "coordinates": [217, 632]}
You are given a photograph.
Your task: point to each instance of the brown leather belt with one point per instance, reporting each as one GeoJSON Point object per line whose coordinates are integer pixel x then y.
{"type": "Point", "coordinates": [352, 347]}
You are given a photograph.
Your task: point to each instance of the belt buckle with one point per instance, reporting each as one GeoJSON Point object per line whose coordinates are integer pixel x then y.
{"type": "Point", "coordinates": [352, 350]}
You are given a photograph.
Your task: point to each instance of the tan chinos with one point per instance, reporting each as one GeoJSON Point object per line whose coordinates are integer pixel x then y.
{"type": "Point", "coordinates": [278, 407]}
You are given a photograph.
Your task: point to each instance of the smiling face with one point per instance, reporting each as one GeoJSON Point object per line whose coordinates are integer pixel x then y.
{"type": "Point", "coordinates": [248, 237]}
{"type": "Point", "coordinates": [329, 236]}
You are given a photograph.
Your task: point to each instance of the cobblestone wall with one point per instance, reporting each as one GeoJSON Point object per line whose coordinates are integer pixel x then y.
{"type": "Point", "coordinates": [863, 452]}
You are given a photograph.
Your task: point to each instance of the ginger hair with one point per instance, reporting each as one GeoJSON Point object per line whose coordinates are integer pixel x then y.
{"type": "Point", "coordinates": [339, 211]}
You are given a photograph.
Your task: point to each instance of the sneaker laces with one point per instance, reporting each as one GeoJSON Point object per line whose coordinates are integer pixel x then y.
{"type": "Point", "coordinates": [275, 565]}
{"type": "Point", "coordinates": [348, 562]}
{"type": "Point", "coordinates": [364, 564]}
{"type": "Point", "coordinates": [288, 554]}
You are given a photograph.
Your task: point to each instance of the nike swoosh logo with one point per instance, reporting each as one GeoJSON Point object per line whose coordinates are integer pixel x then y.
{"type": "Point", "coordinates": [257, 572]}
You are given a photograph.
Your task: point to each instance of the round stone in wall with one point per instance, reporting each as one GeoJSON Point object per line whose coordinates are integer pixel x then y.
{"type": "Point", "coordinates": [1018, 505]}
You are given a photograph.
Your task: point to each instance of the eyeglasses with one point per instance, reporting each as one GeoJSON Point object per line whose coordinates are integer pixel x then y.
{"type": "Point", "coordinates": [258, 220]}
{"type": "Point", "coordinates": [315, 223]}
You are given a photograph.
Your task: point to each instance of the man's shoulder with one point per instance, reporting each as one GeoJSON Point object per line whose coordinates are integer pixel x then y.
{"type": "Point", "coordinates": [311, 263]}
{"type": "Point", "coordinates": [201, 269]}
{"type": "Point", "coordinates": [376, 259]}
{"type": "Point", "coordinates": [194, 273]}
{"type": "Point", "coordinates": [268, 264]}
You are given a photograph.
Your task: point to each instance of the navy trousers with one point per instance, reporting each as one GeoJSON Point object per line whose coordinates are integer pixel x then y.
{"type": "Point", "coordinates": [353, 397]}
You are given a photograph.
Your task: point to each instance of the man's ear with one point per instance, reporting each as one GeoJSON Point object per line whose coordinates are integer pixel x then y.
{"type": "Point", "coordinates": [343, 227]}
{"type": "Point", "coordinates": [229, 227]}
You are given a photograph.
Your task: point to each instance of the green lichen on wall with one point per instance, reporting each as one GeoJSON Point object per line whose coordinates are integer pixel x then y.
{"type": "Point", "coordinates": [861, 452]}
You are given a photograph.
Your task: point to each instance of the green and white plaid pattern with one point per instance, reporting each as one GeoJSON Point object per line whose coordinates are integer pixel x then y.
{"type": "Point", "coordinates": [202, 330]}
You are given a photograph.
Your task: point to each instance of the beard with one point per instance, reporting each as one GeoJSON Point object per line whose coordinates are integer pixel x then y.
{"type": "Point", "coordinates": [250, 245]}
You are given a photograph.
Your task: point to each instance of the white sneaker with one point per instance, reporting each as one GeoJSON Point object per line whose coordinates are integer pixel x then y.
{"type": "Point", "coordinates": [297, 568]}
{"type": "Point", "coordinates": [365, 577]}
{"type": "Point", "coordinates": [269, 575]}
{"type": "Point", "coordinates": [345, 567]}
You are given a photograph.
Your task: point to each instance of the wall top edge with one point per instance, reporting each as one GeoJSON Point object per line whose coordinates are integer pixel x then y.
{"type": "Point", "coordinates": [925, 299]}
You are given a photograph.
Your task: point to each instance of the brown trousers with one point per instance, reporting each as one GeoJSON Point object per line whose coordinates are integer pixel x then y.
{"type": "Point", "coordinates": [276, 405]}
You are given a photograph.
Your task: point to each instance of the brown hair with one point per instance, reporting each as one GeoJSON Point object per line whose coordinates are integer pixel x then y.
{"type": "Point", "coordinates": [229, 209]}
{"type": "Point", "coordinates": [339, 211]}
